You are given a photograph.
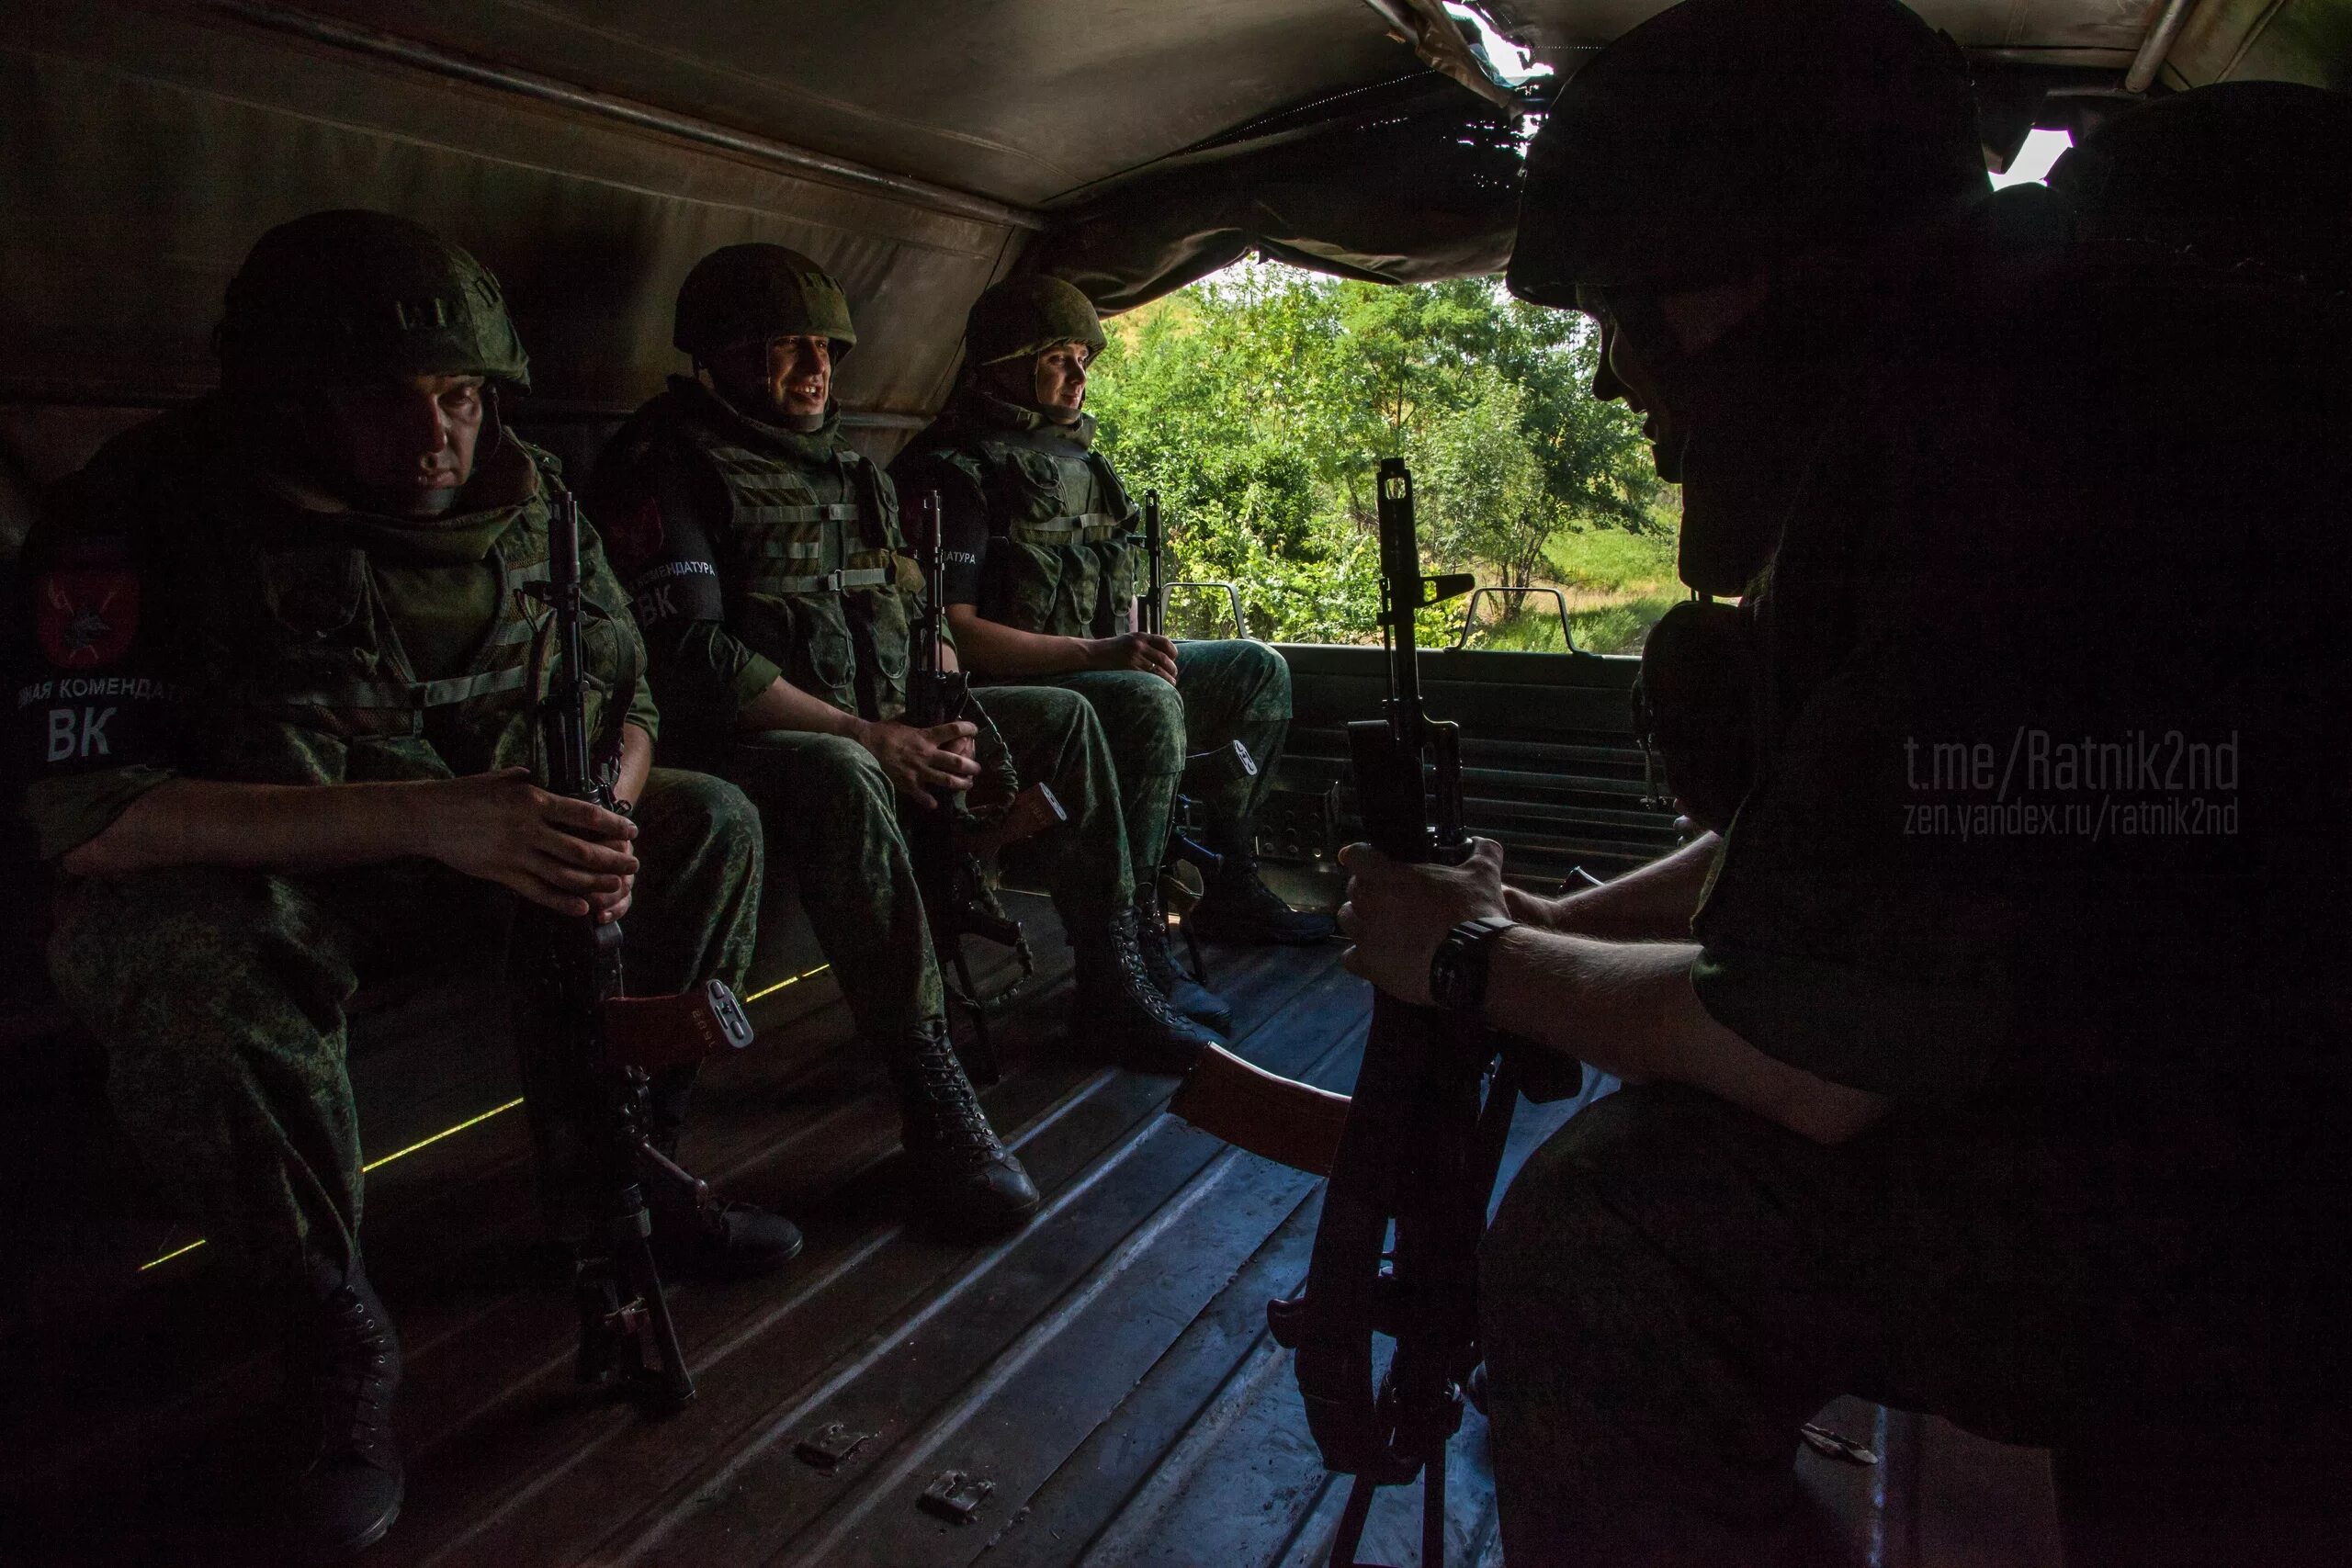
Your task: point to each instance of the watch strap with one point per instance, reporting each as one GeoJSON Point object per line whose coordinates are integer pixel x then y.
{"type": "Point", "coordinates": [1458, 967]}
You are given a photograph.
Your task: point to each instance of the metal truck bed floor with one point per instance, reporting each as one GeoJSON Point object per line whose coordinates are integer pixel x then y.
{"type": "Point", "coordinates": [1107, 1371]}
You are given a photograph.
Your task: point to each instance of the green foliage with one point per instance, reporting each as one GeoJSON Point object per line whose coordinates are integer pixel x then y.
{"type": "Point", "coordinates": [1258, 403]}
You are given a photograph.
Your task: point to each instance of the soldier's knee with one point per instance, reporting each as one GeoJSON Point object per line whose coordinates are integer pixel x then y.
{"type": "Point", "coordinates": [852, 766]}
{"type": "Point", "coordinates": [1534, 1251]}
{"type": "Point", "coordinates": [1160, 729]}
{"type": "Point", "coordinates": [698, 814]}
{"type": "Point", "coordinates": [1268, 671]}
{"type": "Point", "coordinates": [149, 961]}
{"type": "Point", "coordinates": [155, 929]}
{"type": "Point", "coordinates": [718, 810]}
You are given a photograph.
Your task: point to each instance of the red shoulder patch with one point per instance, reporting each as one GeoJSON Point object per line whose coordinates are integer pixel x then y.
{"type": "Point", "coordinates": [87, 618]}
{"type": "Point", "coordinates": [633, 538]}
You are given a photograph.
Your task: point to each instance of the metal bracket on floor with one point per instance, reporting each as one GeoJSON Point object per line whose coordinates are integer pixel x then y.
{"type": "Point", "coordinates": [829, 1447]}
{"type": "Point", "coordinates": [954, 1494]}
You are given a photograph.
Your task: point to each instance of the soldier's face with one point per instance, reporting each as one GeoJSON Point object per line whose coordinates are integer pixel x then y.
{"type": "Point", "coordinates": [1651, 347]}
{"type": "Point", "coordinates": [1059, 377]}
{"type": "Point", "coordinates": [407, 445]}
{"type": "Point", "coordinates": [1629, 369]}
{"type": "Point", "coordinates": [791, 376]}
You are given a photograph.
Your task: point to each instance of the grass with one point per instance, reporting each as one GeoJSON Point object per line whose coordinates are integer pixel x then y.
{"type": "Point", "coordinates": [1616, 584]}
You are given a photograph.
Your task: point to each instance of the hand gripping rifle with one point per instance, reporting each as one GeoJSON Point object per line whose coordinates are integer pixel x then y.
{"type": "Point", "coordinates": [1417, 1145]}
{"type": "Point", "coordinates": [627, 1336]}
{"type": "Point", "coordinates": [952, 845]}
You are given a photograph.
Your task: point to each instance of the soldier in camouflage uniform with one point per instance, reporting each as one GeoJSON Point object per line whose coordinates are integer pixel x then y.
{"type": "Point", "coordinates": [1044, 571]}
{"type": "Point", "coordinates": [286, 732]}
{"type": "Point", "coordinates": [776, 593]}
{"type": "Point", "coordinates": [1930, 1102]}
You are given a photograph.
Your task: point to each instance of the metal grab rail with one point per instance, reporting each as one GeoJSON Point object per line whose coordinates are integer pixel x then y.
{"type": "Point", "coordinates": [1232, 595]}
{"type": "Point", "coordinates": [1470, 614]}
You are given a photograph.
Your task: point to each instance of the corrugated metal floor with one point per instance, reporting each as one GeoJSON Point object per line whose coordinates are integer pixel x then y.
{"type": "Point", "coordinates": [1107, 1370]}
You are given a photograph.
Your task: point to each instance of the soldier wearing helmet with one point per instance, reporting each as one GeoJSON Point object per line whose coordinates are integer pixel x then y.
{"type": "Point", "coordinates": [285, 735]}
{"type": "Point", "coordinates": [1970, 1070]}
{"type": "Point", "coordinates": [776, 591]}
{"type": "Point", "coordinates": [1045, 574]}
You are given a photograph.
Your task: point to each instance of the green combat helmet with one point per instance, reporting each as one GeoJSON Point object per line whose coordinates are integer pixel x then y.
{"type": "Point", "coordinates": [1720, 137]}
{"type": "Point", "coordinates": [2249, 176]}
{"type": "Point", "coordinates": [1028, 315]}
{"type": "Point", "coordinates": [752, 293]}
{"type": "Point", "coordinates": [355, 295]}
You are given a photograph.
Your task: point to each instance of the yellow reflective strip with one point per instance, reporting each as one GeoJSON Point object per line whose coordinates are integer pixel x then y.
{"type": "Point", "coordinates": [380, 1164]}
{"type": "Point", "coordinates": [471, 1121]}
{"type": "Point", "coordinates": [445, 1133]}
{"type": "Point", "coordinates": [795, 980]}
{"type": "Point", "coordinates": [175, 1252]}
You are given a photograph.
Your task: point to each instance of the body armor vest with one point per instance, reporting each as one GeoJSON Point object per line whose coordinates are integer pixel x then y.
{"type": "Point", "coordinates": [303, 679]}
{"type": "Point", "coordinates": [1061, 557]}
{"type": "Point", "coordinates": [817, 573]}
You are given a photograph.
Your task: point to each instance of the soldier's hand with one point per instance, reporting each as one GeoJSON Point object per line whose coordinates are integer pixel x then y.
{"type": "Point", "coordinates": [919, 760]}
{"type": "Point", "coordinates": [566, 855]}
{"type": "Point", "coordinates": [611, 906]}
{"type": "Point", "coordinates": [1397, 913]}
{"type": "Point", "coordinates": [1147, 652]}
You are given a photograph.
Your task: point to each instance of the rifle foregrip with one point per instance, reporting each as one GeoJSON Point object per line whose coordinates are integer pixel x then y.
{"type": "Point", "coordinates": [1028, 814]}
{"type": "Point", "coordinates": [1281, 1119]}
{"type": "Point", "coordinates": [657, 1032]}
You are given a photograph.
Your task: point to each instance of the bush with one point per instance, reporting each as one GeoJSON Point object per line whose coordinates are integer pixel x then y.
{"type": "Point", "coordinates": [1259, 402]}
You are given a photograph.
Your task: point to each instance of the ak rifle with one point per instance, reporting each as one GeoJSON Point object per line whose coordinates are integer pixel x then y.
{"type": "Point", "coordinates": [1203, 769]}
{"type": "Point", "coordinates": [951, 844]}
{"type": "Point", "coordinates": [627, 1336]}
{"type": "Point", "coordinates": [1417, 1145]}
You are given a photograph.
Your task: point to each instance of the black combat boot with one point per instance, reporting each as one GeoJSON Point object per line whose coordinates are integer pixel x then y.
{"type": "Point", "coordinates": [1240, 909]}
{"type": "Point", "coordinates": [967, 1187]}
{"type": "Point", "coordinates": [347, 1364]}
{"type": "Point", "coordinates": [1116, 998]}
{"type": "Point", "coordinates": [727, 1241]}
{"type": "Point", "coordinates": [715, 1240]}
{"type": "Point", "coordinates": [1184, 994]}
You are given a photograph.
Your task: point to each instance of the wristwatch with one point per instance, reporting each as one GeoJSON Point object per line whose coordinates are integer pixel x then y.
{"type": "Point", "coordinates": [1458, 967]}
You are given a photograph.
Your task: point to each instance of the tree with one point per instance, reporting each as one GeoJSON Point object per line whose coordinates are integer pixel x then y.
{"type": "Point", "coordinates": [1258, 402]}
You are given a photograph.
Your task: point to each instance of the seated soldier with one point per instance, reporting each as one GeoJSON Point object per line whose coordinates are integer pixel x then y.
{"type": "Point", "coordinates": [1043, 573]}
{"type": "Point", "coordinates": [772, 582]}
{"type": "Point", "coordinates": [2013, 1096]}
{"type": "Point", "coordinates": [285, 732]}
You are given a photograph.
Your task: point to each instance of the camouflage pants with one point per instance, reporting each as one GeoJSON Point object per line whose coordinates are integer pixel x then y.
{"type": "Point", "coordinates": [1226, 691]}
{"type": "Point", "coordinates": [833, 818]}
{"type": "Point", "coordinates": [1672, 1286]}
{"type": "Point", "coordinates": [221, 997]}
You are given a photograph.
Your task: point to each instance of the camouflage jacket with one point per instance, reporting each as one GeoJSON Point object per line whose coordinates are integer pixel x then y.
{"type": "Point", "coordinates": [782, 548]}
{"type": "Point", "coordinates": [200, 613]}
{"type": "Point", "coordinates": [1061, 557]}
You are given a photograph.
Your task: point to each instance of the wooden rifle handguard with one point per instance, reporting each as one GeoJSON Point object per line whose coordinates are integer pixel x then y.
{"type": "Point", "coordinates": [1025, 816]}
{"type": "Point", "coordinates": [653, 1034]}
{"type": "Point", "coordinates": [1281, 1119]}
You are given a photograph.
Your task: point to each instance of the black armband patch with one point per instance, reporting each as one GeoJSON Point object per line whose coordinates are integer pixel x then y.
{"type": "Point", "coordinates": [677, 591]}
{"type": "Point", "coordinates": [673, 571]}
{"type": "Point", "coordinates": [70, 724]}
